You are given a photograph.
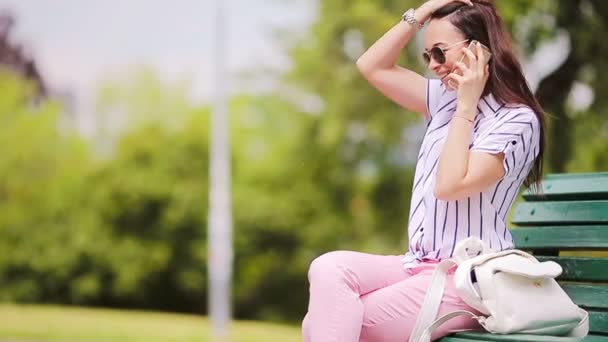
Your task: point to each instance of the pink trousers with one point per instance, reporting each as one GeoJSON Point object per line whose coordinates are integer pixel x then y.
{"type": "Point", "coordinates": [365, 297]}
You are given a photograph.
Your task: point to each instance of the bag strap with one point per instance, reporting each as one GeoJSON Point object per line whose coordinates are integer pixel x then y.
{"type": "Point", "coordinates": [432, 300]}
{"type": "Point", "coordinates": [426, 324]}
{"type": "Point", "coordinates": [426, 335]}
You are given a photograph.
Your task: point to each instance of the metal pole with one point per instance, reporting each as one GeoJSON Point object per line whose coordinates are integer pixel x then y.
{"type": "Point", "coordinates": [220, 213]}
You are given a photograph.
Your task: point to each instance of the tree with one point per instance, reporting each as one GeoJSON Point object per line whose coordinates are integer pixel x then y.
{"type": "Point", "coordinates": [42, 172]}
{"type": "Point", "coordinates": [13, 57]}
{"type": "Point", "coordinates": [584, 21]}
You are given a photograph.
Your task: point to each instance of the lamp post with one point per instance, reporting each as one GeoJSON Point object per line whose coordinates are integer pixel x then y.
{"type": "Point", "coordinates": [220, 213]}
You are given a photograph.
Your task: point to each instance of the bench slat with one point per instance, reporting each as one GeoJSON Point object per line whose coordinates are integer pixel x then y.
{"type": "Point", "coordinates": [479, 336]}
{"type": "Point", "coordinates": [598, 322]}
{"type": "Point", "coordinates": [561, 213]}
{"type": "Point", "coordinates": [588, 296]}
{"type": "Point", "coordinates": [571, 214]}
{"type": "Point", "coordinates": [581, 269]}
{"type": "Point", "coordinates": [577, 186]}
{"type": "Point", "coordinates": [561, 237]}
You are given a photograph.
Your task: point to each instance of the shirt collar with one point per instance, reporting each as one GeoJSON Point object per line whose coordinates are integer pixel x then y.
{"type": "Point", "coordinates": [489, 106]}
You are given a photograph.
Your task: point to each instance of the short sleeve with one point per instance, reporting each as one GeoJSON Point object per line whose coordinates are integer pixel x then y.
{"type": "Point", "coordinates": [517, 136]}
{"type": "Point", "coordinates": [434, 91]}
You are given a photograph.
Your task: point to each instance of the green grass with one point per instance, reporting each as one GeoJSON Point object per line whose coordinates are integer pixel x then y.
{"type": "Point", "coordinates": [57, 323]}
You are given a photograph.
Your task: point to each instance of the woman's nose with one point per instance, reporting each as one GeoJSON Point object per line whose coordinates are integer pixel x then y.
{"type": "Point", "coordinates": [434, 65]}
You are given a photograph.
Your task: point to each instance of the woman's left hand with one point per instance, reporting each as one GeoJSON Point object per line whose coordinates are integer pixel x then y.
{"type": "Point", "coordinates": [473, 80]}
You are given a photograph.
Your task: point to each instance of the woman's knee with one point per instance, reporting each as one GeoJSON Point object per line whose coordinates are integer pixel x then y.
{"type": "Point", "coordinates": [327, 264]}
{"type": "Point", "coordinates": [306, 329]}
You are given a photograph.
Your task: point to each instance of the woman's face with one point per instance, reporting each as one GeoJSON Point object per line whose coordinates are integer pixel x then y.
{"type": "Point", "coordinates": [441, 33]}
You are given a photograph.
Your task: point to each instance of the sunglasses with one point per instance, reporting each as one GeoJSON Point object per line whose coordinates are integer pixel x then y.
{"type": "Point", "coordinates": [438, 54]}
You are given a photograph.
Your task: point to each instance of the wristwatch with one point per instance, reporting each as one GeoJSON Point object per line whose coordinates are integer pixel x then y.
{"type": "Point", "coordinates": [409, 18]}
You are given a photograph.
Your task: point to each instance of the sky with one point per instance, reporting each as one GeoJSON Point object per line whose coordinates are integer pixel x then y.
{"type": "Point", "coordinates": [78, 42]}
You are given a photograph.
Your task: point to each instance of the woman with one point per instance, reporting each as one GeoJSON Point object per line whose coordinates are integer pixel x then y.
{"type": "Point", "coordinates": [484, 139]}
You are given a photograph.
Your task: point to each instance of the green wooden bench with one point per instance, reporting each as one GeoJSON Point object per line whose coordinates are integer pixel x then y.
{"type": "Point", "coordinates": [572, 216]}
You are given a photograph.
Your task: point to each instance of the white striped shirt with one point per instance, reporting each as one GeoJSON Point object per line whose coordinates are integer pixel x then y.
{"type": "Point", "coordinates": [435, 226]}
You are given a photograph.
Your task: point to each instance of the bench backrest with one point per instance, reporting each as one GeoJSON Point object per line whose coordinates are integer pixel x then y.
{"type": "Point", "coordinates": [570, 218]}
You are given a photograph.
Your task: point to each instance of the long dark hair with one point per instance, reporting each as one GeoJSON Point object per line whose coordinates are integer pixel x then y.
{"type": "Point", "coordinates": [506, 82]}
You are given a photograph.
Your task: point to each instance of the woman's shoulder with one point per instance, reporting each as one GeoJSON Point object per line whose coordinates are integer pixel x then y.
{"type": "Point", "coordinates": [519, 112]}
{"type": "Point", "coordinates": [504, 120]}
{"type": "Point", "coordinates": [505, 112]}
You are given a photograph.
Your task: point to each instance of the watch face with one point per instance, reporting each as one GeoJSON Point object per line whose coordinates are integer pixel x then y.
{"type": "Point", "coordinates": [406, 15]}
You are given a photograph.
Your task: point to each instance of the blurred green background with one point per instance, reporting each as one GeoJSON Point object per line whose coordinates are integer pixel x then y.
{"type": "Point", "coordinates": [321, 161]}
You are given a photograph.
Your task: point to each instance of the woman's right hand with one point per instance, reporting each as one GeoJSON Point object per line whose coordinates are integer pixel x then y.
{"type": "Point", "coordinates": [425, 11]}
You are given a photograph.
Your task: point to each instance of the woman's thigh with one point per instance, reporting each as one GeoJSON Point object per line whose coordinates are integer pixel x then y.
{"type": "Point", "coordinates": [390, 312]}
{"type": "Point", "coordinates": [362, 272]}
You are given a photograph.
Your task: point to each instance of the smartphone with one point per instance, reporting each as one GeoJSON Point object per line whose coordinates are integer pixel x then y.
{"type": "Point", "coordinates": [464, 59]}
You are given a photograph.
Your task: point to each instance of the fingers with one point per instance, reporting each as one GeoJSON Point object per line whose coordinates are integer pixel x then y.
{"type": "Point", "coordinates": [468, 2]}
{"type": "Point", "coordinates": [462, 67]}
{"type": "Point", "coordinates": [472, 58]}
{"type": "Point", "coordinates": [456, 78]}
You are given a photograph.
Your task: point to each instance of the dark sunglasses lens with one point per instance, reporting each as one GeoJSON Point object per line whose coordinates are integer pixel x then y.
{"type": "Point", "coordinates": [438, 55]}
{"type": "Point", "coordinates": [426, 57]}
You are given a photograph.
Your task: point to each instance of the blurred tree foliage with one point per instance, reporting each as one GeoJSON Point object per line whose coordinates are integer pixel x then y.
{"type": "Point", "coordinates": [13, 56]}
{"type": "Point", "coordinates": [127, 230]}
{"type": "Point", "coordinates": [322, 163]}
{"type": "Point", "coordinates": [42, 178]}
{"type": "Point", "coordinates": [574, 133]}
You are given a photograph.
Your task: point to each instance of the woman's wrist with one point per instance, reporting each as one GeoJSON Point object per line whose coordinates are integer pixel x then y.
{"type": "Point", "coordinates": [467, 112]}
{"type": "Point", "coordinates": [464, 118]}
{"type": "Point", "coordinates": [423, 13]}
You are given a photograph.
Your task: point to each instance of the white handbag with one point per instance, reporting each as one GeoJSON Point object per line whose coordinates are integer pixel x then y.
{"type": "Point", "coordinates": [514, 292]}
